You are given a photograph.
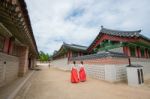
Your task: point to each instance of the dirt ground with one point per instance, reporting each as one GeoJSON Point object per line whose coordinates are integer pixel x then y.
{"type": "Point", "coordinates": [55, 84]}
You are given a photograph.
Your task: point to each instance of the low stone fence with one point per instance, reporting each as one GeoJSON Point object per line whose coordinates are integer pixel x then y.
{"type": "Point", "coordinates": [105, 66]}
{"type": "Point", "coordinates": [110, 69]}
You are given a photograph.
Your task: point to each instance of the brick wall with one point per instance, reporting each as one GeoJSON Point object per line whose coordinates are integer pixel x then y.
{"type": "Point", "coordinates": [8, 68]}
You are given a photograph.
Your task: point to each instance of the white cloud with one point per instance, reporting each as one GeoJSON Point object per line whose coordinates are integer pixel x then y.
{"type": "Point", "coordinates": [79, 21]}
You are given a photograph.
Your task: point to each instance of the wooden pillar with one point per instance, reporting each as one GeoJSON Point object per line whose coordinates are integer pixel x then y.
{"type": "Point", "coordinates": [125, 50]}
{"type": "Point", "coordinates": [78, 53]}
{"type": "Point", "coordinates": [11, 48]}
{"type": "Point", "coordinates": [148, 56]}
{"type": "Point", "coordinates": [145, 53]}
{"type": "Point", "coordinates": [11, 45]}
{"type": "Point", "coordinates": [139, 52]}
{"type": "Point", "coordinates": [23, 60]}
{"type": "Point", "coordinates": [68, 56]}
{"type": "Point", "coordinates": [136, 52]}
{"type": "Point", "coordinates": [128, 51]}
{"type": "Point", "coordinates": [70, 53]}
{"type": "Point", "coordinates": [6, 45]}
{"type": "Point", "coordinates": [32, 62]}
{"type": "Point", "coordinates": [81, 54]}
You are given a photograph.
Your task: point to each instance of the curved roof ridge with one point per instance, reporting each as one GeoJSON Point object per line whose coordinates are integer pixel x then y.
{"type": "Point", "coordinates": [113, 30]}
{"type": "Point", "coordinates": [66, 44]}
{"type": "Point", "coordinates": [135, 33]}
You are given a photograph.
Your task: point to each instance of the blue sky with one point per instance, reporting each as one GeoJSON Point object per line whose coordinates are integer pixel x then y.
{"type": "Point", "coordinates": [79, 21]}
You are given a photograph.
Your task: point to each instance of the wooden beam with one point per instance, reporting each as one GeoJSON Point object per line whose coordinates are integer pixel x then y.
{"type": "Point", "coordinates": [112, 38]}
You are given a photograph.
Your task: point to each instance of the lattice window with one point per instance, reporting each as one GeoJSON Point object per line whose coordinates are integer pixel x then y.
{"type": "Point", "coordinates": [2, 40]}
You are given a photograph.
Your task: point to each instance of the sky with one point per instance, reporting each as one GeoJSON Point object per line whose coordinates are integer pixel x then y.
{"type": "Point", "coordinates": [79, 21]}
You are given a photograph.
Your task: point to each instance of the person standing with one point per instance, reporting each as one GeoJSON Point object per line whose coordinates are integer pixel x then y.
{"type": "Point", "coordinates": [82, 73]}
{"type": "Point", "coordinates": [74, 74]}
{"type": "Point", "coordinates": [49, 64]}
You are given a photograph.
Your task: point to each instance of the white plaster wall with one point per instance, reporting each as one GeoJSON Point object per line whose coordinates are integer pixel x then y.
{"type": "Point", "coordinates": [61, 63]}
{"type": "Point", "coordinates": [146, 65]}
{"type": "Point", "coordinates": [8, 71]}
{"type": "Point", "coordinates": [133, 79]}
{"type": "Point", "coordinates": [119, 50]}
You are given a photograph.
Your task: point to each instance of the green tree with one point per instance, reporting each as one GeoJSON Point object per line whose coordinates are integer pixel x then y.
{"type": "Point", "coordinates": [43, 56]}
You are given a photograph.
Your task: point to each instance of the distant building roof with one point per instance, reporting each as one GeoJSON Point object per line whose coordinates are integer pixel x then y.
{"type": "Point", "coordinates": [73, 47]}
{"type": "Point", "coordinates": [99, 55]}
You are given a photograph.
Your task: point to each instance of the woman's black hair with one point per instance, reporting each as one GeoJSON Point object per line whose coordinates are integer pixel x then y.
{"type": "Point", "coordinates": [74, 62]}
{"type": "Point", "coordinates": [81, 62]}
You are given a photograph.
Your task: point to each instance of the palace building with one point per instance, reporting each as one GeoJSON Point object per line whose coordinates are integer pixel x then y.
{"type": "Point", "coordinates": [66, 52]}
{"type": "Point", "coordinates": [109, 53]}
{"type": "Point", "coordinates": [131, 43]}
{"type": "Point", "coordinates": [18, 50]}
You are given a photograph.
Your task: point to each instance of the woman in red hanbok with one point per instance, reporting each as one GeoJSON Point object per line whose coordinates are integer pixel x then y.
{"type": "Point", "coordinates": [74, 74]}
{"type": "Point", "coordinates": [82, 73]}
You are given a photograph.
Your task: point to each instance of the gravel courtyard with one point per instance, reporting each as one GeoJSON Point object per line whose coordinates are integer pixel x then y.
{"type": "Point", "coordinates": [55, 84]}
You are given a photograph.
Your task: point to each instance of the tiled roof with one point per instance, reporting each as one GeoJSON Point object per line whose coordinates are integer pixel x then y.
{"type": "Point", "coordinates": [121, 33]}
{"type": "Point", "coordinates": [111, 32]}
{"type": "Point", "coordinates": [134, 65]}
{"type": "Point", "coordinates": [99, 55]}
{"type": "Point", "coordinates": [75, 46]}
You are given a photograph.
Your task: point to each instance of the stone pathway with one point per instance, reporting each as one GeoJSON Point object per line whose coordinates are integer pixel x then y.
{"type": "Point", "coordinates": [10, 90]}
{"type": "Point", "coordinates": [55, 84]}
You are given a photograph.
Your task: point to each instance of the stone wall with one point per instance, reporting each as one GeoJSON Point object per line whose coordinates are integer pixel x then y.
{"type": "Point", "coordinates": [9, 66]}
{"type": "Point", "coordinates": [61, 63]}
{"type": "Point", "coordinates": [33, 62]}
{"type": "Point", "coordinates": [23, 60]}
{"type": "Point", "coordinates": [109, 69]}
{"type": "Point", "coordinates": [95, 71]}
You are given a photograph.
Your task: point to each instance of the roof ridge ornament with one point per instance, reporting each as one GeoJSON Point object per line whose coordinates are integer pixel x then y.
{"type": "Point", "coordinates": [140, 30]}
{"type": "Point", "coordinates": [64, 42]}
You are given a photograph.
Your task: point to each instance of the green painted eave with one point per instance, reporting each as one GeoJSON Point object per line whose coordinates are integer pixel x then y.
{"type": "Point", "coordinates": [140, 44]}
{"type": "Point", "coordinates": [110, 46]}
